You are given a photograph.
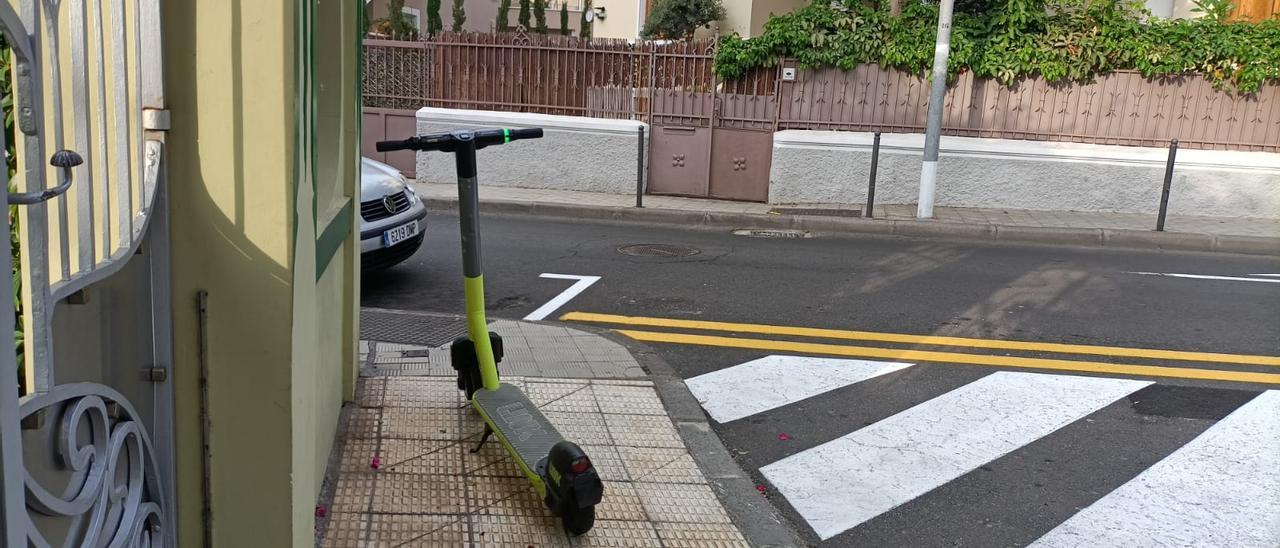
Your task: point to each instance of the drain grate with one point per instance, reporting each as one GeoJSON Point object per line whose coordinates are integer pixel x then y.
{"type": "Point", "coordinates": [658, 250]}
{"type": "Point", "coordinates": [772, 233]}
{"type": "Point", "coordinates": [416, 328]}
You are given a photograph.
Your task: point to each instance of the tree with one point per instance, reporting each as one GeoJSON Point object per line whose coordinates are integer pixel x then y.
{"type": "Point", "coordinates": [503, 24]}
{"type": "Point", "coordinates": [459, 16]}
{"type": "Point", "coordinates": [679, 18]}
{"type": "Point", "coordinates": [434, 24]}
{"type": "Point", "coordinates": [564, 19]}
{"type": "Point", "coordinates": [895, 7]}
{"type": "Point", "coordinates": [523, 18]}
{"type": "Point", "coordinates": [395, 24]}
{"type": "Point", "coordinates": [540, 16]}
{"type": "Point", "coordinates": [584, 26]}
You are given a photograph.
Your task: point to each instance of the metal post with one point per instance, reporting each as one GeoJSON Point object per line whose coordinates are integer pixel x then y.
{"type": "Point", "coordinates": [929, 168]}
{"type": "Point", "coordinates": [1168, 182]}
{"type": "Point", "coordinates": [640, 168]}
{"type": "Point", "coordinates": [871, 182]}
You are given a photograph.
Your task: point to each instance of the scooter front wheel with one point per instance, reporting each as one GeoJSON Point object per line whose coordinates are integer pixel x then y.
{"type": "Point", "coordinates": [578, 520]}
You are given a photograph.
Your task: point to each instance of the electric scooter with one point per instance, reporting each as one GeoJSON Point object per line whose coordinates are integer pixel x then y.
{"type": "Point", "coordinates": [559, 470]}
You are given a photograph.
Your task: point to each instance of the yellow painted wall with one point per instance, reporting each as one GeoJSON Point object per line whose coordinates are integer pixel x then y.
{"type": "Point", "coordinates": [621, 19]}
{"type": "Point", "coordinates": [281, 343]}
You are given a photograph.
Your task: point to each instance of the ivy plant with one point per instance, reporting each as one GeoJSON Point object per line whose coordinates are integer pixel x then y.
{"type": "Point", "coordinates": [1059, 40]}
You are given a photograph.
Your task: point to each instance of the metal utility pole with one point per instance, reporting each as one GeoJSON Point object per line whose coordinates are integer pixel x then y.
{"type": "Point", "coordinates": [929, 169]}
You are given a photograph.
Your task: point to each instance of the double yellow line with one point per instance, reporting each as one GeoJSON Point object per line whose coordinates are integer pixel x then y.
{"type": "Point", "coordinates": [934, 356]}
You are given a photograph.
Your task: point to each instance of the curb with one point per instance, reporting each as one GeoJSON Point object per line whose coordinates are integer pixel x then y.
{"type": "Point", "coordinates": [756, 517]}
{"type": "Point", "coordinates": [1088, 237]}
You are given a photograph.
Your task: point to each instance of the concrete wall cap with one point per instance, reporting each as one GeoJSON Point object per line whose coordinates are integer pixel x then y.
{"type": "Point", "coordinates": [1232, 160]}
{"type": "Point", "coordinates": [523, 119]}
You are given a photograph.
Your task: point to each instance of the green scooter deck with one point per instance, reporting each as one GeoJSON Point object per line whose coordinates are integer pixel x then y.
{"type": "Point", "coordinates": [519, 424]}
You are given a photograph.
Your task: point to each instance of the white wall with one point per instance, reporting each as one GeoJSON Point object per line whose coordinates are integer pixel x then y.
{"type": "Point", "coordinates": [832, 167]}
{"type": "Point", "coordinates": [575, 153]}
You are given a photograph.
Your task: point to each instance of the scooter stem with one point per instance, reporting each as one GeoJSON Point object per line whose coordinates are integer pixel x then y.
{"type": "Point", "coordinates": [473, 276]}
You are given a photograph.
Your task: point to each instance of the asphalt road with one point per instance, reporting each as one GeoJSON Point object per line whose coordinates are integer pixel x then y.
{"type": "Point", "coordinates": [899, 286]}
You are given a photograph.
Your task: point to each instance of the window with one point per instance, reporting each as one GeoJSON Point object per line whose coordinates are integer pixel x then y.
{"type": "Point", "coordinates": [414, 15]}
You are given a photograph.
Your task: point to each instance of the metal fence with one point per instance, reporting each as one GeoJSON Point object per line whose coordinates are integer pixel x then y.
{"type": "Point", "coordinates": [674, 83]}
{"type": "Point", "coordinates": [1121, 108]}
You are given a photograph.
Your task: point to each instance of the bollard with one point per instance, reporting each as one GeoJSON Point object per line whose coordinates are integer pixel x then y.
{"type": "Point", "coordinates": [1168, 182]}
{"type": "Point", "coordinates": [871, 182]}
{"type": "Point", "coordinates": [640, 168]}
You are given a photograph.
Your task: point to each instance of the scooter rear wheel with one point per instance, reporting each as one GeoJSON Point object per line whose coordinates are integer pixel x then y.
{"type": "Point", "coordinates": [578, 520]}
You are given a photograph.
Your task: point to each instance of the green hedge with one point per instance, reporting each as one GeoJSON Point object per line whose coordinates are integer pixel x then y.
{"type": "Point", "coordinates": [1011, 39]}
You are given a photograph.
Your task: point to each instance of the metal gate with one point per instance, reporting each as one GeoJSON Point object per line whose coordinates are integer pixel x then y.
{"type": "Point", "coordinates": [709, 138]}
{"type": "Point", "coordinates": [86, 454]}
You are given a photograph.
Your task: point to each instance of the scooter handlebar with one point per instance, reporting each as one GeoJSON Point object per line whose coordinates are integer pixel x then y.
{"type": "Point", "coordinates": [448, 141]}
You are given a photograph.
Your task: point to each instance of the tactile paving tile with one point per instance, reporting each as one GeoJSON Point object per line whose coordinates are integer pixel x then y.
{"type": "Point", "coordinates": [619, 534]}
{"type": "Point", "coordinates": [422, 392]}
{"type": "Point", "coordinates": [643, 431]}
{"type": "Point", "coordinates": [700, 535]}
{"type": "Point", "coordinates": [345, 530]}
{"type": "Point", "coordinates": [352, 493]}
{"type": "Point", "coordinates": [424, 423]}
{"type": "Point", "coordinates": [517, 532]}
{"type": "Point", "coordinates": [364, 423]}
{"type": "Point", "coordinates": [581, 428]}
{"type": "Point", "coordinates": [357, 455]}
{"type": "Point", "coordinates": [491, 495]}
{"type": "Point", "coordinates": [623, 382]}
{"type": "Point", "coordinates": [438, 457]}
{"type": "Point", "coordinates": [680, 502]}
{"type": "Point", "coordinates": [576, 402]}
{"type": "Point", "coordinates": [418, 530]}
{"type": "Point", "coordinates": [607, 461]}
{"type": "Point", "coordinates": [369, 391]}
{"type": "Point", "coordinates": [542, 393]}
{"type": "Point", "coordinates": [628, 400]}
{"type": "Point", "coordinates": [620, 502]}
{"type": "Point", "coordinates": [660, 465]}
{"type": "Point", "coordinates": [491, 460]}
{"type": "Point", "coordinates": [418, 494]}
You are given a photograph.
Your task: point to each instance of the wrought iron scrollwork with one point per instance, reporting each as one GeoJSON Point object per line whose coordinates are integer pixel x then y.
{"type": "Point", "coordinates": [111, 493]}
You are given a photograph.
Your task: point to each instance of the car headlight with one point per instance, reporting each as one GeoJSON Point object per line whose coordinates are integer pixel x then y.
{"type": "Point", "coordinates": [409, 193]}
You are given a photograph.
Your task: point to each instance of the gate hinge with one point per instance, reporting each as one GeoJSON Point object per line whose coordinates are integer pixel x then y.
{"type": "Point", "coordinates": [155, 119]}
{"type": "Point", "coordinates": [156, 374]}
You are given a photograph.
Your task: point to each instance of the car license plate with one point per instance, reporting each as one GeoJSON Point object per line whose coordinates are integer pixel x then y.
{"type": "Point", "coordinates": [400, 233]}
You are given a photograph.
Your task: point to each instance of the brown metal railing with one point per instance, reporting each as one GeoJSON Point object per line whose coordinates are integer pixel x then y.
{"type": "Point", "coordinates": [673, 84]}
{"type": "Point", "coordinates": [1121, 108]}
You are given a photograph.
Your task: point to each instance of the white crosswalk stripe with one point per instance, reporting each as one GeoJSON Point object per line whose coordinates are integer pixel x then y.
{"type": "Point", "coordinates": [774, 381]}
{"type": "Point", "coordinates": [847, 481]}
{"type": "Point", "coordinates": [1220, 489]}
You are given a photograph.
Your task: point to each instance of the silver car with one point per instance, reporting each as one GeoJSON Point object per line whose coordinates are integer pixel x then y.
{"type": "Point", "coordinates": [392, 217]}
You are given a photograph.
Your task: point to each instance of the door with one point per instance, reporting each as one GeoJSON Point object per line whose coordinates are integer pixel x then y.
{"type": "Point", "coordinates": [708, 138]}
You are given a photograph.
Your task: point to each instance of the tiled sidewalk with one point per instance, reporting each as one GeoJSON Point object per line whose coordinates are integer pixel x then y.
{"type": "Point", "coordinates": [430, 490]}
{"type": "Point", "coordinates": [1003, 217]}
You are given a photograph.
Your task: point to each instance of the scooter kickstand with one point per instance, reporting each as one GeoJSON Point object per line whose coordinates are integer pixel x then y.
{"type": "Point", "coordinates": [483, 438]}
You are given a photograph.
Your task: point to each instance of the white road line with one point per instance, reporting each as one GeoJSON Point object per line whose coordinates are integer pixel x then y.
{"type": "Point", "coordinates": [565, 296]}
{"type": "Point", "coordinates": [847, 481]}
{"type": "Point", "coordinates": [1267, 275]}
{"type": "Point", "coordinates": [774, 381]}
{"type": "Point", "coordinates": [1207, 277]}
{"type": "Point", "coordinates": [1220, 489]}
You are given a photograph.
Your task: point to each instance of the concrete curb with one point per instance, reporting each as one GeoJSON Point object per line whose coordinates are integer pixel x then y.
{"type": "Point", "coordinates": [1089, 237]}
{"type": "Point", "coordinates": [757, 519]}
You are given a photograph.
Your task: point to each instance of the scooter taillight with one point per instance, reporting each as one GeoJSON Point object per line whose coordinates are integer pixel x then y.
{"type": "Point", "coordinates": [580, 465]}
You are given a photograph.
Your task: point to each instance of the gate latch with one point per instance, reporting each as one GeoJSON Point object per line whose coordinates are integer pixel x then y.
{"type": "Point", "coordinates": [156, 374]}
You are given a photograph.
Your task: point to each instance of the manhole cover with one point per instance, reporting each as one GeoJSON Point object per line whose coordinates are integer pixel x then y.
{"type": "Point", "coordinates": [772, 233]}
{"type": "Point", "coordinates": [658, 250]}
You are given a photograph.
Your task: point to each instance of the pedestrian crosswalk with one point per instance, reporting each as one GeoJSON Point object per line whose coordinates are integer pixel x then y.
{"type": "Point", "coordinates": [1221, 488]}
